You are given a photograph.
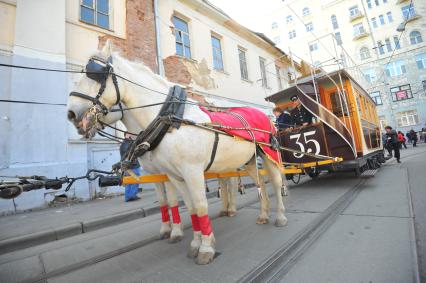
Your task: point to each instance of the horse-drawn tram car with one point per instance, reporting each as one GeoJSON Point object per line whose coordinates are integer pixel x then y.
{"type": "Point", "coordinates": [329, 116]}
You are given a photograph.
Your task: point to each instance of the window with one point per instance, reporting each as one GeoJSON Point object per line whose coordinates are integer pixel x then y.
{"type": "Point", "coordinates": [338, 38]}
{"type": "Point", "coordinates": [377, 2]}
{"type": "Point", "coordinates": [306, 11]}
{"type": "Point", "coordinates": [313, 46]}
{"type": "Point", "coordinates": [334, 22]}
{"type": "Point", "coordinates": [95, 12]}
{"type": "Point", "coordinates": [401, 93]}
{"type": "Point", "coordinates": [385, 1]}
{"type": "Point", "coordinates": [415, 37]}
{"type": "Point", "coordinates": [262, 64]}
{"type": "Point", "coordinates": [183, 46]}
{"type": "Point", "coordinates": [407, 118]}
{"type": "Point", "coordinates": [374, 22]}
{"type": "Point", "coordinates": [289, 19]}
{"type": "Point", "coordinates": [243, 63]}
{"type": "Point", "coordinates": [280, 85]}
{"type": "Point", "coordinates": [309, 27]}
{"type": "Point", "coordinates": [388, 45]}
{"type": "Point", "coordinates": [397, 43]}
{"type": "Point", "coordinates": [382, 20]}
{"type": "Point", "coordinates": [394, 69]}
{"type": "Point", "coordinates": [359, 29]}
{"type": "Point", "coordinates": [277, 40]}
{"type": "Point", "coordinates": [383, 122]}
{"type": "Point", "coordinates": [389, 15]}
{"type": "Point", "coordinates": [370, 75]}
{"type": "Point", "coordinates": [344, 61]}
{"type": "Point", "coordinates": [274, 25]}
{"type": "Point", "coordinates": [217, 53]}
{"type": "Point", "coordinates": [408, 12]}
{"type": "Point", "coordinates": [353, 11]}
{"type": "Point", "coordinates": [380, 47]}
{"type": "Point", "coordinates": [376, 97]}
{"type": "Point", "coordinates": [369, 4]}
{"type": "Point", "coordinates": [292, 34]}
{"type": "Point", "coordinates": [424, 86]}
{"type": "Point", "coordinates": [364, 53]}
{"type": "Point", "coordinates": [421, 60]}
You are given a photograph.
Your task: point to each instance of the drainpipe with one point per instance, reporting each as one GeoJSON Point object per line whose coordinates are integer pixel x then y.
{"type": "Point", "coordinates": [157, 40]}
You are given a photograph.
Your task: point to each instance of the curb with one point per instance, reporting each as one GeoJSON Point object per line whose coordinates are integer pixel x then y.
{"type": "Point", "coordinates": [73, 229]}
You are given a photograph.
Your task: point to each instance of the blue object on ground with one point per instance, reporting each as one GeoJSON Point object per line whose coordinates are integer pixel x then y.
{"type": "Point", "coordinates": [131, 191]}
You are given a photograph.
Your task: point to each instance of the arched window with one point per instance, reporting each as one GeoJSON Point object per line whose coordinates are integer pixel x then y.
{"type": "Point", "coordinates": [334, 22]}
{"type": "Point", "coordinates": [289, 18]}
{"type": "Point", "coordinates": [415, 37]}
{"type": "Point", "coordinates": [274, 25]}
{"type": "Point", "coordinates": [305, 11]}
{"type": "Point", "coordinates": [364, 53]}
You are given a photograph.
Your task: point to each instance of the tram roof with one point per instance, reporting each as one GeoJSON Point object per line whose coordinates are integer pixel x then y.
{"type": "Point", "coordinates": [319, 78]}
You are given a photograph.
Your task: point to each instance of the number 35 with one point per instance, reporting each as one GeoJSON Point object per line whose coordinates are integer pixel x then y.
{"type": "Point", "coordinates": [306, 143]}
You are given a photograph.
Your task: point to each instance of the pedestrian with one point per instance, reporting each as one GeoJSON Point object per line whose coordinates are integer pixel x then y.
{"type": "Point", "coordinates": [392, 143]}
{"type": "Point", "coordinates": [413, 136]}
{"type": "Point", "coordinates": [131, 190]}
{"type": "Point", "coordinates": [283, 119]}
{"type": "Point", "coordinates": [408, 137]}
{"type": "Point", "coordinates": [401, 140]}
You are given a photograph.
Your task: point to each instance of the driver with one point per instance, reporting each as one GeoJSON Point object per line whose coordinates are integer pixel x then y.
{"type": "Point", "coordinates": [300, 116]}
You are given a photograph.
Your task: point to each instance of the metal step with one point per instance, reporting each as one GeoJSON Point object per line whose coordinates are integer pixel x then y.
{"type": "Point", "coordinates": [369, 173]}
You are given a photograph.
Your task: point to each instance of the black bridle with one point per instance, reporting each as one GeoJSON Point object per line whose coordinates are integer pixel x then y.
{"type": "Point", "coordinates": [99, 69]}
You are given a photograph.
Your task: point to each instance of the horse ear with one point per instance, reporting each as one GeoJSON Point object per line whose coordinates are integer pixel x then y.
{"type": "Point", "coordinates": [107, 49]}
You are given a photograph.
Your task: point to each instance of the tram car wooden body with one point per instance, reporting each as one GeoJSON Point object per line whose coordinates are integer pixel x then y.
{"type": "Point", "coordinates": [345, 123]}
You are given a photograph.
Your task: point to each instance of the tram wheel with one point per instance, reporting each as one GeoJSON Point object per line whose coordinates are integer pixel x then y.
{"type": "Point", "coordinates": [312, 172]}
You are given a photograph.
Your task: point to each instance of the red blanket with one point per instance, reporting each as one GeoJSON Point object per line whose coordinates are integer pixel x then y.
{"type": "Point", "coordinates": [256, 120]}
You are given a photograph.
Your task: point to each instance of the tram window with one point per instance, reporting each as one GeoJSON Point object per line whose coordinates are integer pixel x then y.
{"type": "Point", "coordinates": [335, 104]}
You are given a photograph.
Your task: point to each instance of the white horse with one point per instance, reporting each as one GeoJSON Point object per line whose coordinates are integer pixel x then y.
{"type": "Point", "coordinates": [166, 192]}
{"type": "Point", "coordinates": [183, 154]}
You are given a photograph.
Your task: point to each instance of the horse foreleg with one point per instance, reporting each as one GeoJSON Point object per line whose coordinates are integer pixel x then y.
{"type": "Point", "coordinates": [264, 198]}
{"type": "Point", "coordinates": [194, 179]}
{"type": "Point", "coordinates": [196, 241]}
{"type": "Point", "coordinates": [177, 233]}
{"type": "Point", "coordinates": [223, 184]}
{"type": "Point", "coordinates": [277, 182]}
{"type": "Point", "coordinates": [165, 228]}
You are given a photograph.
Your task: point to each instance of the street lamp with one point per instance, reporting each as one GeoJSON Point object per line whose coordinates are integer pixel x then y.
{"type": "Point", "coordinates": [401, 27]}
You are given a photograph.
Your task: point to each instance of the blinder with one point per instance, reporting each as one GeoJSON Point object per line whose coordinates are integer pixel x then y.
{"type": "Point", "coordinates": [97, 69]}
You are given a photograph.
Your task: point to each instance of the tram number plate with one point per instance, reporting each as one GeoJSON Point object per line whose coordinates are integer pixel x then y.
{"type": "Point", "coordinates": [306, 143]}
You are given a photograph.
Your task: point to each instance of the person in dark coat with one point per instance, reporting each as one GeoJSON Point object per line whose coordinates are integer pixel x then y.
{"type": "Point", "coordinates": [413, 136]}
{"type": "Point", "coordinates": [283, 119]}
{"type": "Point", "coordinates": [300, 116]}
{"type": "Point", "coordinates": [392, 142]}
{"type": "Point", "coordinates": [131, 190]}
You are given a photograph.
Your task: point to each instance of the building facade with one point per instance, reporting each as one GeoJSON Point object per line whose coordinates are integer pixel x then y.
{"type": "Point", "coordinates": [191, 43]}
{"type": "Point", "coordinates": [382, 42]}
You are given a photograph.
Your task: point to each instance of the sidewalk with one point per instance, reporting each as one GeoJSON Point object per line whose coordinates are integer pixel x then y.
{"type": "Point", "coordinates": [33, 228]}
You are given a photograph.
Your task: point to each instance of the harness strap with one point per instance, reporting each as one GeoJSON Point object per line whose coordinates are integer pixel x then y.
{"type": "Point", "coordinates": [214, 150]}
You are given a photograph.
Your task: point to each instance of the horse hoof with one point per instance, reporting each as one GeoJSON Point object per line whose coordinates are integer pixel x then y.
{"type": "Point", "coordinates": [281, 222]}
{"type": "Point", "coordinates": [232, 213]}
{"type": "Point", "coordinates": [204, 258]}
{"type": "Point", "coordinates": [261, 220]}
{"type": "Point", "coordinates": [175, 238]}
{"type": "Point", "coordinates": [223, 213]}
{"type": "Point", "coordinates": [165, 235]}
{"type": "Point", "coordinates": [193, 252]}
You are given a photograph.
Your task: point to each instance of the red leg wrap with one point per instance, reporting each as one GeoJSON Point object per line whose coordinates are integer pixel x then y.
{"type": "Point", "coordinates": [175, 214]}
{"type": "Point", "coordinates": [205, 225]}
{"type": "Point", "coordinates": [165, 217]}
{"type": "Point", "coordinates": [195, 223]}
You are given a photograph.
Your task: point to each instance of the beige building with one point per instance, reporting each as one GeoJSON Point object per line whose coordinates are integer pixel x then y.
{"type": "Point", "coordinates": [380, 42]}
{"type": "Point", "coordinates": [190, 42]}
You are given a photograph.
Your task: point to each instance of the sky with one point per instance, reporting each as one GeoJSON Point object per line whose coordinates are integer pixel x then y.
{"type": "Point", "coordinates": [249, 13]}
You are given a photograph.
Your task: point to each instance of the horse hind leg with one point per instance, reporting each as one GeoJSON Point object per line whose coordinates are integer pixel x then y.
{"type": "Point", "coordinates": [232, 195]}
{"type": "Point", "coordinates": [165, 228]}
{"type": "Point", "coordinates": [264, 198]}
{"type": "Point", "coordinates": [276, 179]}
{"type": "Point", "coordinates": [176, 234]}
{"type": "Point", "coordinates": [223, 185]}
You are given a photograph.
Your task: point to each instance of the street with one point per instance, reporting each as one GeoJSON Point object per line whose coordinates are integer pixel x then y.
{"type": "Point", "coordinates": [372, 240]}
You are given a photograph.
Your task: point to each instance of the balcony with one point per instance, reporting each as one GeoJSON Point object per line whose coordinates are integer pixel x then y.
{"type": "Point", "coordinates": [401, 1]}
{"type": "Point", "coordinates": [356, 16]}
{"type": "Point", "coordinates": [360, 34]}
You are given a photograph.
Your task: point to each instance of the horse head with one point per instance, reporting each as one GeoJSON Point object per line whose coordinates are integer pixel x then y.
{"type": "Point", "coordinates": [95, 93]}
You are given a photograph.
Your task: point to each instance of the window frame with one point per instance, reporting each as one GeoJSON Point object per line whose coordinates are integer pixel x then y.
{"type": "Point", "coordinates": [95, 10]}
{"type": "Point", "coordinates": [380, 47]}
{"type": "Point", "coordinates": [388, 45]}
{"type": "Point", "coordinates": [289, 19]}
{"type": "Point", "coordinates": [377, 97]}
{"type": "Point", "coordinates": [397, 42]}
{"type": "Point", "coordinates": [417, 38]}
{"type": "Point", "coordinates": [338, 37]}
{"type": "Point", "coordinates": [369, 4]}
{"type": "Point", "coordinates": [352, 9]}
{"type": "Point", "coordinates": [243, 63]}
{"type": "Point", "coordinates": [334, 22]}
{"type": "Point", "coordinates": [219, 50]}
{"type": "Point", "coordinates": [313, 46]}
{"type": "Point", "coordinates": [408, 12]}
{"type": "Point", "coordinates": [309, 27]}
{"type": "Point", "coordinates": [292, 34]}
{"type": "Point", "coordinates": [182, 36]}
{"type": "Point", "coordinates": [364, 53]}
{"type": "Point", "coordinates": [374, 22]}
{"type": "Point", "coordinates": [306, 11]}
{"type": "Point", "coordinates": [398, 68]}
{"type": "Point", "coordinates": [389, 16]}
{"type": "Point", "coordinates": [382, 20]}
{"type": "Point", "coordinates": [407, 115]}
{"type": "Point", "coordinates": [358, 27]}
{"type": "Point", "coordinates": [370, 75]}
{"type": "Point", "coordinates": [422, 57]}
{"type": "Point", "coordinates": [395, 90]}
{"type": "Point", "coordinates": [262, 66]}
